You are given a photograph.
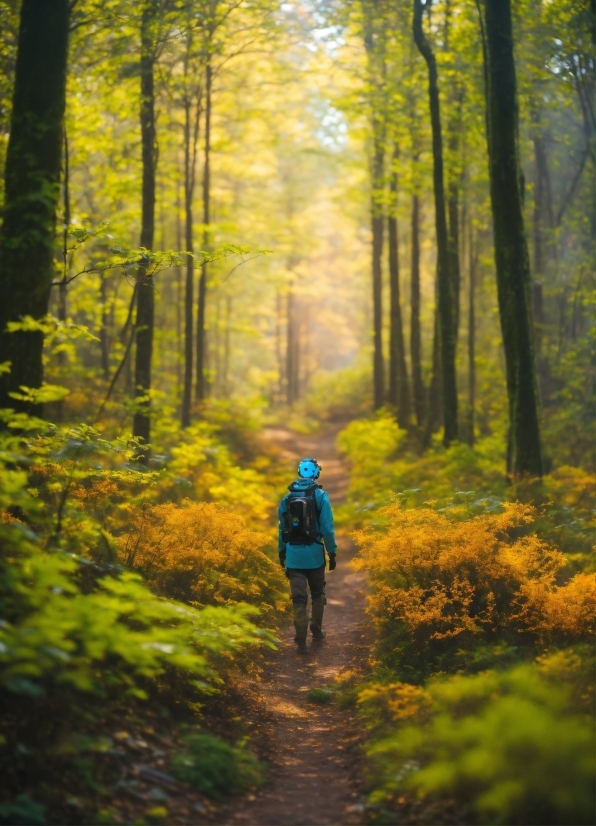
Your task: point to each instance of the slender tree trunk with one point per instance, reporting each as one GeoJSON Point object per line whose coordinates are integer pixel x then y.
{"type": "Point", "coordinates": [377, 224]}
{"type": "Point", "coordinates": [398, 394]}
{"type": "Point", "coordinates": [453, 191]}
{"type": "Point", "coordinates": [32, 188]}
{"type": "Point", "coordinates": [105, 325]}
{"type": "Point", "coordinates": [201, 386]}
{"type": "Point", "coordinates": [191, 136]}
{"type": "Point", "coordinates": [144, 323]}
{"type": "Point", "coordinates": [62, 309]}
{"type": "Point", "coordinates": [227, 348]}
{"type": "Point", "coordinates": [292, 350]}
{"type": "Point", "coordinates": [435, 389]}
{"type": "Point", "coordinates": [511, 251]}
{"type": "Point", "coordinates": [473, 254]}
{"type": "Point", "coordinates": [415, 337]}
{"type": "Point", "coordinates": [445, 285]}
{"type": "Point", "coordinates": [179, 305]}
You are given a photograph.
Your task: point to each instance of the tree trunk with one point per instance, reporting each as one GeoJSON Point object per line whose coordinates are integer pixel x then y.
{"type": "Point", "coordinates": [201, 386]}
{"type": "Point", "coordinates": [398, 395]}
{"type": "Point", "coordinates": [32, 188]}
{"type": "Point", "coordinates": [144, 323]}
{"type": "Point", "coordinates": [453, 191]}
{"type": "Point", "coordinates": [511, 251]}
{"type": "Point", "coordinates": [473, 253]}
{"type": "Point", "coordinates": [62, 309]}
{"type": "Point", "coordinates": [292, 350]}
{"type": "Point", "coordinates": [377, 222]}
{"type": "Point", "coordinates": [191, 136]}
{"type": "Point", "coordinates": [227, 348]}
{"type": "Point", "coordinates": [435, 389]}
{"type": "Point", "coordinates": [445, 288]}
{"type": "Point", "coordinates": [415, 337]}
{"type": "Point", "coordinates": [105, 326]}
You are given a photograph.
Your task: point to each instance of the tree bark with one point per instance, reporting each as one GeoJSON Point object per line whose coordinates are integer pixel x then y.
{"type": "Point", "coordinates": [377, 223]}
{"type": "Point", "coordinates": [191, 136]}
{"type": "Point", "coordinates": [415, 337]}
{"type": "Point", "coordinates": [444, 280]}
{"type": "Point", "coordinates": [144, 322]}
{"type": "Point", "coordinates": [104, 343]}
{"type": "Point", "coordinates": [398, 395]}
{"type": "Point", "coordinates": [473, 253]}
{"type": "Point", "coordinates": [434, 404]}
{"type": "Point", "coordinates": [511, 250]}
{"type": "Point", "coordinates": [201, 385]}
{"type": "Point", "coordinates": [453, 192]}
{"type": "Point", "coordinates": [32, 188]}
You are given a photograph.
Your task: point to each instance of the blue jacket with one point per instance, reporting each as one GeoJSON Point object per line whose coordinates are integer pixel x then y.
{"type": "Point", "coordinates": [309, 556]}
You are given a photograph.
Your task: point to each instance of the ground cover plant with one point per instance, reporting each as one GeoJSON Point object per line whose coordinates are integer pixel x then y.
{"type": "Point", "coordinates": [85, 641]}
{"type": "Point", "coordinates": [482, 689]}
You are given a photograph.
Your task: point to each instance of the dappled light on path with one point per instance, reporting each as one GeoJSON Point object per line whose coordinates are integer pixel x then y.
{"type": "Point", "coordinates": [314, 772]}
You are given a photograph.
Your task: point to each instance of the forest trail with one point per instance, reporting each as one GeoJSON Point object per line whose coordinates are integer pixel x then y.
{"type": "Point", "coordinates": [313, 777]}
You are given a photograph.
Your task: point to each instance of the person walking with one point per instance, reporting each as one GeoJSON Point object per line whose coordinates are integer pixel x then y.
{"type": "Point", "coordinates": [305, 533]}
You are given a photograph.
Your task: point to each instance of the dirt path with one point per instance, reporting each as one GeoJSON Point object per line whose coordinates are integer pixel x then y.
{"type": "Point", "coordinates": [313, 777]}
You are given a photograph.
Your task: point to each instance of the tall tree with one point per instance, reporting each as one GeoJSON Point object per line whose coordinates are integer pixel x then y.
{"type": "Point", "coordinates": [374, 43]}
{"type": "Point", "coordinates": [415, 335]}
{"type": "Point", "coordinates": [445, 297]}
{"type": "Point", "coordinates": [524, 455]}
{"type": "Point", "coordinates": [201, 385]}
{"type": "Point", "coordinates": [398, 394]}
{"type": "Point", "coordinates": [192, 100]}
{"type": "Point", "coordinates": [32, 186]}
{"type": "Point", "coordinates": [144, 323]}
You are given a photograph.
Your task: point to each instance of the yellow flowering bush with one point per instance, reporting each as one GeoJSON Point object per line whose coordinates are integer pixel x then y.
{"type": "Point", "coordinates": [441, 582]}
{"type": "Point", "coordinates": [203, 554]}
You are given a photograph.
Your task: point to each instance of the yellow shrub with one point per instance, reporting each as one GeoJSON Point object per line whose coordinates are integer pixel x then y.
{"type": "Point", "coordinates": [202, 554]}
{"type": "Point", "coordinates": [394, 703]}
{"type": "Point", "coordinates": [437, 578]}
{"type": "Point", "coordinates": [568, 610]}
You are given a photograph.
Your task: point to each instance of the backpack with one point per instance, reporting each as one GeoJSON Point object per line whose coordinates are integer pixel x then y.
{"type": "Point", "coordinates": [301, 519]}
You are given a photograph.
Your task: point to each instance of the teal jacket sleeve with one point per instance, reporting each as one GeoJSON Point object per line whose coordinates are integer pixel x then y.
{"type": "Point", "coordinates": [326, 521]}
{"type": "Point", "coordinates": [281, 545]}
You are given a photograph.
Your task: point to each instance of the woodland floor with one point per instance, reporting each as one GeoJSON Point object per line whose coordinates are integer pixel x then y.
{"type": "Point", "coordinates": [313, 749]}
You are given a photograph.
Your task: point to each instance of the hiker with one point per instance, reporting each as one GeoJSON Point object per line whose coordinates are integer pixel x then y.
{"type": "Point", "coordinates": [305, 523]}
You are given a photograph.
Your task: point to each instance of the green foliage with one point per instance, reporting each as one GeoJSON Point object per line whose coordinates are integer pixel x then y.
{"type": "Point", "coordinates": [342, 394]}
{"type": "Point", "coordinates": [113, 639]}
{"type": "Point", "coordinates": [508, 746]}
{"type": "Point", "coordinates": [24, 810]}
{"type": "Point", "coordinates": [216, 768]}
{"type": "Point", "coordinates": [81, 637]}
{"type": "Point", "coordinates": [320, 696]}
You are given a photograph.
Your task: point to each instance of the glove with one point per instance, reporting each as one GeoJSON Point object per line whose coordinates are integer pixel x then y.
{"type": "Point", "coordinates": [332, 562]}
{"type": "Point", "coordinates": [282, 559]}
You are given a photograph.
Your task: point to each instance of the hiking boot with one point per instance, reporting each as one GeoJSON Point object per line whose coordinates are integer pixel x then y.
{"type": "Point", "coordinates": [317, 632]}
{"type": "Point", "coordinates": [301, 646]}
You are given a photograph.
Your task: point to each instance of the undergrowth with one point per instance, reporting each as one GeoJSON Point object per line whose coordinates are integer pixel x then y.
{"type": "Point", "coordinates": [480, 699]}
{"type": "Point", "coordinates": [115, 602]}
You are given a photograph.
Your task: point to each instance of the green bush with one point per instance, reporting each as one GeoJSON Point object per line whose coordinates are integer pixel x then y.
{"type": "Point", "coordinates": [321, 696]}
{"type": "Point", "coordinates": [216, 768]}
{"type": "Point", "coordinates": [511, 747]}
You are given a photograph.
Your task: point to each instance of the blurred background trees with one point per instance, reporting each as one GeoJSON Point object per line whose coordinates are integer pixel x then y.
{"type": "Point", "coordinates": [308, 130]}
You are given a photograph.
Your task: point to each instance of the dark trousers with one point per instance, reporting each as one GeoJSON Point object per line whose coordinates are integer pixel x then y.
{"type": "Point", "coordinates": [301, 578]}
